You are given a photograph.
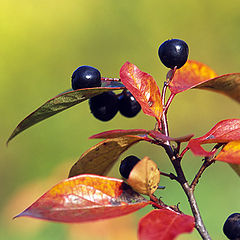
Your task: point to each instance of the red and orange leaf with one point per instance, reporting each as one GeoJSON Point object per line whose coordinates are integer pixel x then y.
{"type": "Point", "coordinates": [100, 158]}
{"type": "Point", "coordinates": [230, 153]}
{"type": "Point", "coordinates": [144, 88]}
{"type": "Point", "coordinates": [228, 84]}
{"type": "Point", "coordinates": [119, 133]}
{"type": "Point", "coordinates": [190, 75]}
{"type": "Point", "coordinates": [164, 224]}
{"type": "Point", "coordinates": [225, 131]}
{"type": "Point", "coordinates": [86, 198]}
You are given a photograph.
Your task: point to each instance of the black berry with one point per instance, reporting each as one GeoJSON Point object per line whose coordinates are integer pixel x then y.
{"type": "Point", "coordinates": [231, 227]}
{"type": "Point", "coordinates": [127, 165]}
{"type": "Point", "coordinates": [128, 105]}
{"type": "Point", "coordinates": [86, 77]}
{"type": "Point", "coordinates": [104, 106]}
{"type": "Point", "coordinates": [173, 53]}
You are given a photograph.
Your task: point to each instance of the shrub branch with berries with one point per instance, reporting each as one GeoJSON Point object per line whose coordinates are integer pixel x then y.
{"type": "Point", "coordinates": [88, 195]}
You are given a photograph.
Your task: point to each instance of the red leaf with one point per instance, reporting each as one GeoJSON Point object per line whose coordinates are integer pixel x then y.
{"type": "Point", "coordinates": [144, 88]}
{"type": "Point", "coordinates": [230, 153]}
{"type": "Point", "coordinates": [164, 224]}
{"type": "Point", "coordinates": [119, 133]}
{"type": "Point", "coordinates": [197, 149]}
{"type": "Point", "coordinates": [190, 75]}
{"type": "Point", "coordinates": [161, 137]}
{"type": "Point", "coordinates": [86, 198]}
{"type": "Point", "coordinates": [223, 132]}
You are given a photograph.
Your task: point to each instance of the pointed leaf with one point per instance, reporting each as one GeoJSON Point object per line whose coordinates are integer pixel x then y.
{"type": "Point", "coordinates": [228, 84]}
{"type": "Point", "coordinates": [119, 133]}
{"type": "Point", "coordinates": [230, 153]}
{"type": "Point", "coordinates": [144, 88]}
{"type": "Point", "coordinates": [190, 75]}
{"type": "Point", "coordinates": [58, 104]}
{"type": "Point", "coordinates": [100, 158]}
{"type": "Point", "coordinates": [223, 132]}
{"type": "Point", "coordinates": [164, 224]}
{"type": "Point", "coordinates": [86, 198]}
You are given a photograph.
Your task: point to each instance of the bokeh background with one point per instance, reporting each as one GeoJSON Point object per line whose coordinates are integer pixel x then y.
{"type": "Point", "coordinates": [41, 44]}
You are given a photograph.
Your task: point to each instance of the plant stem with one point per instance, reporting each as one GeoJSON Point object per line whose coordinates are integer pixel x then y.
{"type": "Point", "coordinates": [199, 225]}
{"type": "Point", "coordinates": [176, 161]}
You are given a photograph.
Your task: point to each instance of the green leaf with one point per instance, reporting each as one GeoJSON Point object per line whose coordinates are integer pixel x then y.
{"type": "Point", "coordinates": [58, 104]}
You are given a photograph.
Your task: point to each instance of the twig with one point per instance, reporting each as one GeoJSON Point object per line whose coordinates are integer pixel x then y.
{"type": "Point", "coordinates": [205, 164]}
{"type": "Point", "coordinates": [199, 225]}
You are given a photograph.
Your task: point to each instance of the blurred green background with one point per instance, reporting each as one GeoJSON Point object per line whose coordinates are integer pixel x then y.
{"type": "Point", "coordinates": [41, 44]}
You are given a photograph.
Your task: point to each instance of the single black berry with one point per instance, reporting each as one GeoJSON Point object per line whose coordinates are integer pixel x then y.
{"type": "Point", "coordinates": [173, 53]}
{"type": "Point", "coordinates": [231, 227]}
{"type": "Point", "coordinates": [127, 165]}
{"type": "Point", "coordinates": [104, 106]}
{"type": "Point", "coordinates": [128, 105]}
{"type": "Point", "coordinates": [86, 77]}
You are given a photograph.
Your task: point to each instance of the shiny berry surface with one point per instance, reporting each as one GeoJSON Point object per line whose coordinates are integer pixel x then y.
{"type": "Point", "coordinates": [104, 106]}
{"type": "Point", "coordinates": [173, 53]}
{"type": "Point", "coordinates": [127, 165]}
{"type": "Point", "coordinates": [128, 105]}
{"type": "Point", "coordinates": [86, 77]}
{"type": "Point", "coordinates": [231, 227]}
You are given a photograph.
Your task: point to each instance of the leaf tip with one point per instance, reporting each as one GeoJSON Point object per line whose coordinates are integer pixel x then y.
{"type": "Point", "coordinates": [22, 214]}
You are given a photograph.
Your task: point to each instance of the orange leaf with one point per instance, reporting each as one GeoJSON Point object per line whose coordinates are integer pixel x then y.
{"type": "Point", "coordinates": [86, 198]}
{"type": "Point", "coordinates": [190, 75]}
{"type": "Point", "coordinates": [164, 224]}
{"type": "Point", "coordinates": [230, 153]}
{"type": "Point", "coordinates": [144, 88]}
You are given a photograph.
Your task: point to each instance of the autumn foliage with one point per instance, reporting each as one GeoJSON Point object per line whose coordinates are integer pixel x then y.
{"type": "Point", "coordinates": [88, 195]}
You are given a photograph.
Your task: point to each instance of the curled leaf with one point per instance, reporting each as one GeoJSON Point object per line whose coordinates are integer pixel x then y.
{"type": "Point", "coordinates": [86, 198]}
{"type": "Point", "coordinates": [164, 224]}
{"type": "Point", "coordinates": [230, 153]}
{"type": "Point", "coordinates": [100, 158]}
{"type": "Point", "coordinates": [228, 84]}
{"type": "Point", "coordinates": [190, 75]}
{"type": "Point", "coordinates": [144, 177]}
{"type": "Point", "coordinates": [58, 104]}
{"type": "Point", "coordinates": [144, 88]}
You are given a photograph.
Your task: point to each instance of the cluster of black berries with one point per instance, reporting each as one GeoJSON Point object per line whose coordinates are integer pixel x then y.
{"type": "Point", "coordinates": [106, 105]}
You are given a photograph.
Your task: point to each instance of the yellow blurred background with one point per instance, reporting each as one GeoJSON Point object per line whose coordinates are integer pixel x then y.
{"type": "Point", "coordinates": [41, 44]}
